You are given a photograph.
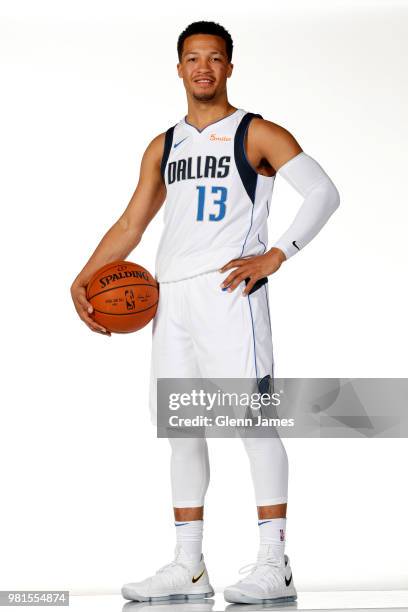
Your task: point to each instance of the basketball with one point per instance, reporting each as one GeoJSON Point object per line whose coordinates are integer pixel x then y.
{"type": "Point", "coordinates": [124, 296]}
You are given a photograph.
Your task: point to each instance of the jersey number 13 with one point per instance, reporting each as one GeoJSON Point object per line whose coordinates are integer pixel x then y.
{"type": "Point", "coordinates": [222, 192]}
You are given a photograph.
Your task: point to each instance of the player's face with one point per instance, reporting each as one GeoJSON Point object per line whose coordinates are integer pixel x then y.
{"type": "Point", "coordinates": [204, 66]}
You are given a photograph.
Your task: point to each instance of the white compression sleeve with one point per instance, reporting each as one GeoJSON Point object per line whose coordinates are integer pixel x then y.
{"type": "Point", "coordinates": [321, 200]}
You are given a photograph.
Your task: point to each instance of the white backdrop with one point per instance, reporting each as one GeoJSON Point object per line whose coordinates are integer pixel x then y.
{"type": "Point", "coordinates": [85, 501]}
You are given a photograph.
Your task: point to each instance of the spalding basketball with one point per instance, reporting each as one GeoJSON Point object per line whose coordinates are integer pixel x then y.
{"type": "Point", "coordinates": [124, 296]}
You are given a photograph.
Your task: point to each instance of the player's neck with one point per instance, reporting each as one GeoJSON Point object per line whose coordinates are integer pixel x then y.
{"type": "Point", "coordinates": [202, 113]}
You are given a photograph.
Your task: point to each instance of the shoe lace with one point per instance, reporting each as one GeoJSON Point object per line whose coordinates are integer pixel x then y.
{"type": "Point", "coordinates": [260, 572]}
{"type": "Point", "coordinates": [167, 567]}
{"type": "Point", "coordinates": [175, 563]}
{"type": "Point", "coordinates": [176, 569]}
{"type": "Point", "coordinates": [247, 569]}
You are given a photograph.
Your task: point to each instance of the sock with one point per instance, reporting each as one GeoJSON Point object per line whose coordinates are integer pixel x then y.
{"type": "Point", "coordinates": [272, 534]}
{"type": "Point", "coordinates": [190, 538]}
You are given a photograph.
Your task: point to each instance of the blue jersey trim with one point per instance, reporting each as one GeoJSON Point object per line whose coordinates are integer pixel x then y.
{"type": "Point", "coordinates": [246, 171]}
{"type": "Point", "coordinates": [267, 304]}
{"type": "Point", "coordinates": [263, 244]}
{"type": "Point", "coordinates": [253, 337]}
{"type": "Point", "coordinates": [248, 232]}
{"type": "Point", "coordinates": [213, 123]}
{"type": "Point", "coordinates": [168, 141]}
{"type": "Point", "coordinates": [270, 328]}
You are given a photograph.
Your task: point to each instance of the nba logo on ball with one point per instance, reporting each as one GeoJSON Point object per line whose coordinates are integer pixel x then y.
{"type": "Point", "coordinates": [130, 299]}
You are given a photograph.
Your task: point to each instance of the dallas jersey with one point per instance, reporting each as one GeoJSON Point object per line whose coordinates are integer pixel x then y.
{"type": "Point", "coordinates": [217, 205]}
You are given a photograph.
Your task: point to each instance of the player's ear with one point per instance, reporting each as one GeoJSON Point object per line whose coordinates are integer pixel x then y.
{"type": "Point", "coordinates": [229, 70]}
{"type": "Point", "coordinates": [180, 70]}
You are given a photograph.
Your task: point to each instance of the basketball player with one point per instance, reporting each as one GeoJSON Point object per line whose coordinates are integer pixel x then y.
{"type": "Point", "coordinates": [216, 169]}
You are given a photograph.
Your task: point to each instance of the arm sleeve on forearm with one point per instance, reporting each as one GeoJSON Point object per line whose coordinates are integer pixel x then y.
{"type": "Point", "coordinates": [321, 199]}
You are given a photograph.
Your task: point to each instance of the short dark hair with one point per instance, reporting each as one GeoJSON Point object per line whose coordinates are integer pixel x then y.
{"type": "Point", "coordinates": [205, 27]}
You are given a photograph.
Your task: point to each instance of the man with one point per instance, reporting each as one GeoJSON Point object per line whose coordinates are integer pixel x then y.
{"type": "Point", "coordinates": [216, 170]}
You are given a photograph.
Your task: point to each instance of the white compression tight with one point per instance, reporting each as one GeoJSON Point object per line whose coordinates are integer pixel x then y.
{"type": "Point", "coordinates": [190, 470]}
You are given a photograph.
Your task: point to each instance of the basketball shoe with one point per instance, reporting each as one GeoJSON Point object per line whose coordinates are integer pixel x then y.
{"type": "Point", "coordinates": [180, 579]}
{"type": "Point", "coordinates": [270, 581]}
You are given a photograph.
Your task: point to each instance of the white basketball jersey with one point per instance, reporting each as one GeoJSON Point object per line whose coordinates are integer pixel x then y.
{"type": "Point", "coordinates": [217, 206]}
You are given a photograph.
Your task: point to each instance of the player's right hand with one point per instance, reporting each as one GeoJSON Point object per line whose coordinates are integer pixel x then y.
{"type": "Point", "coordinates": [84, 308]}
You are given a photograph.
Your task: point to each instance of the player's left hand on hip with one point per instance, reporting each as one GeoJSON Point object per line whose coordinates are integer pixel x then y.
{"type": "Point", "coordinates": [253, 268]}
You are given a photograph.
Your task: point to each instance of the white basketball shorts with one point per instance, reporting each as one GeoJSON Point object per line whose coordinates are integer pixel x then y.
{"type": "Point", "coordinates": [201, 331]}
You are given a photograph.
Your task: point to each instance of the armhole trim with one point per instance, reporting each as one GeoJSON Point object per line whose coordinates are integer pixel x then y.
{"type": "Point", "coordinates": [246, 171]}
{"type": "Point", "coordinates": [168, 141]}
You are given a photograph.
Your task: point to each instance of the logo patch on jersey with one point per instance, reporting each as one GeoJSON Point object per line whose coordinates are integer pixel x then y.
{"type": "Point", "coordinates": [221, 138]}
{"type": "Point", "coordinates": [282, 535]}
{"type": "Point", "coordinates": [176, 144]}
